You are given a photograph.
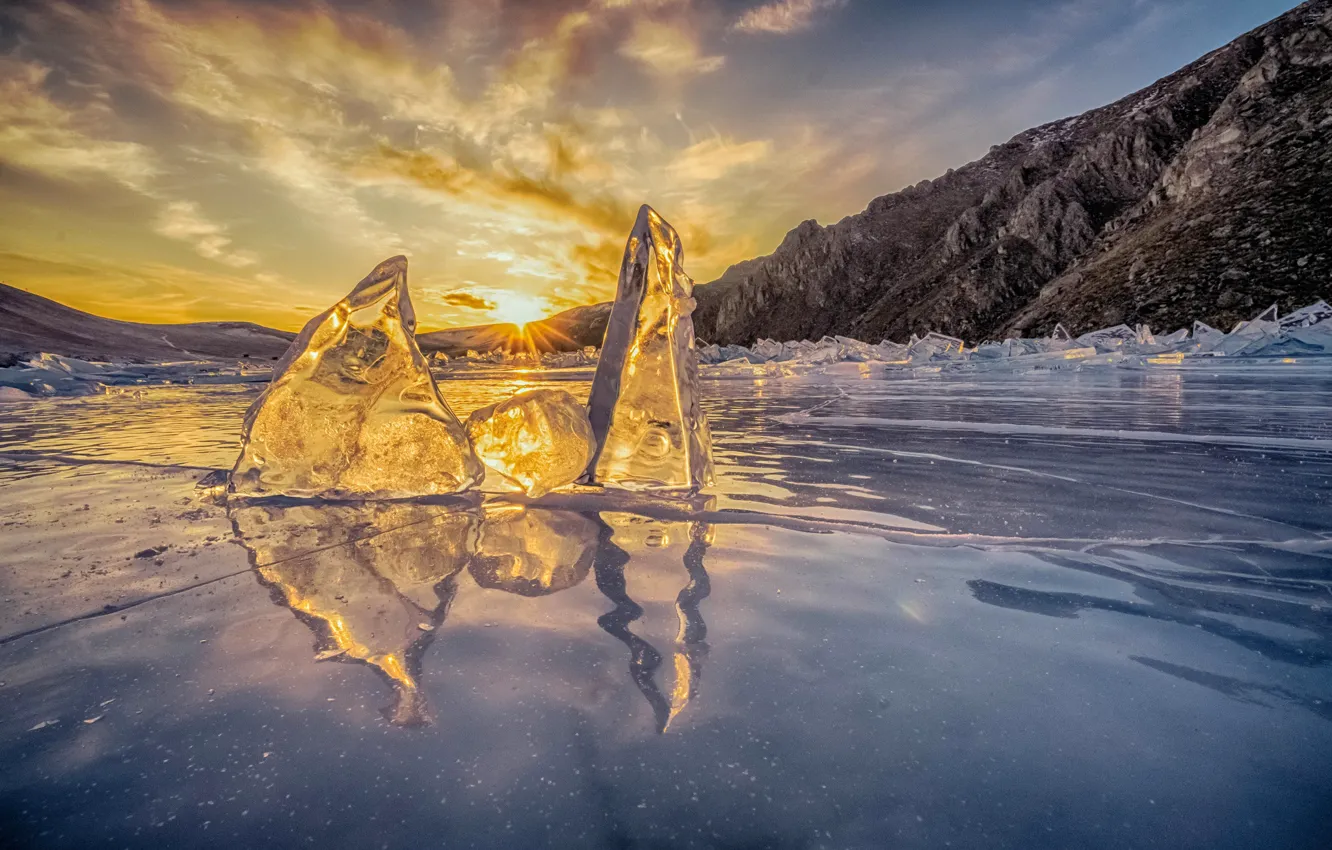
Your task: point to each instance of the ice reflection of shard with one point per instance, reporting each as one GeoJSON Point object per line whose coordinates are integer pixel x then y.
{"type": "Point", "coordinates": [373, 581]}
{"type": "Point", "coordinates": [627, 539]}
{"type": "Point", "coordinates": [533, 551]}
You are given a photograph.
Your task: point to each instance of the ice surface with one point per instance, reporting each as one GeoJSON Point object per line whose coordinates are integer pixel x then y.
{"type": "Point", "coordinates": [353, 411]}
{"type": "Point", "coordinates": [1131, 553]}
{"type": "Point", "coordinates": [540, 439]}
{"type": "Point", "coordinates": [650, 430]}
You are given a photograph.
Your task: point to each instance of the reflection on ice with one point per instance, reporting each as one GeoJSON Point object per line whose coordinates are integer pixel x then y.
{"type": "Point", "coordinates": [376, 580]}
{"type": "Point", "coordinates": [624, 537]}
{"type": "Point", "coordinates": [533, 551]}
{"type": "Point", "coordinates": [372, 581]}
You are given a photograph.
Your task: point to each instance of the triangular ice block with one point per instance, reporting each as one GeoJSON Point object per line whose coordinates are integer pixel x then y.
{"type": "Point", "coordinates": [644, 408]}
{"type": "Point", "coordinates": [1307, 317]}
{"type": "Point", "coordinates": [352, 412]}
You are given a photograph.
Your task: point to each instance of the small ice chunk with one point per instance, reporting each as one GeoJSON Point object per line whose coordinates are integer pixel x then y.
{"type": "Point", "coordinates": [540, 439]}
{"type": "Point", "coordinates": [1306, 317]}
{"type": "Point", "coordinates": [352, 412]}
{"type": "Point", "coordinates": [644, 408]}
{"type": "Point", "coordinates": [935, 346]}
{"type": "Point", "coordinates": [1109, 340]}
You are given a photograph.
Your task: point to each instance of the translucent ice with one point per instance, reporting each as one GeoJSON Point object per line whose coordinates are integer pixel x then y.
{"type": "Point", "coordinates": [935, 346]}
{"type": "Point", "coordinates": [1108, 340]}
{"type": "Point", "coordinates": [540, 439]}
{"type": "Point", "coordinates": [352, 412]}
{"type": "Point", "coordinates": [1305, 317]}
{"type": "Point", "coordinates": [650, 430]}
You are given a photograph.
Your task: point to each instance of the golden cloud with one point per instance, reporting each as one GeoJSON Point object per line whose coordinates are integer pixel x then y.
{"type": "Point", "coordinates": [42, 136]}
{"type": "Point", "coordinates": [184, 221]}
{"type": "Point", "coordinates": [784, 16]}
{"type": "Point", "coordinates": [669, 50]}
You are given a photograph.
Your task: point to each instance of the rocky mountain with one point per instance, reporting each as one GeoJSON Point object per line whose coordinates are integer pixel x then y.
{"type": "Point", "coordinates": [30, 324]}
{"type": "Point", "coordinates": [1204, 195]}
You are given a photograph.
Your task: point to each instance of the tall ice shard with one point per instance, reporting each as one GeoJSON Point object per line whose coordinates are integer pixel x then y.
{"type": "Point", "coordinates": [644, 408]}
{"type": "Point", "coordinates": [352, 411]}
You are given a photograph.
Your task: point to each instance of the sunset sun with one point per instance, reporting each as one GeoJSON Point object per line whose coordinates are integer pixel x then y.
{"type": "Point", "coordinates": [520, 308]}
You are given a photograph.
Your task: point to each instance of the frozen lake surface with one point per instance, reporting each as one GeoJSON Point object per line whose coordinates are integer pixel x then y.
{"type": "Point", "coordinates": [1065, 609]}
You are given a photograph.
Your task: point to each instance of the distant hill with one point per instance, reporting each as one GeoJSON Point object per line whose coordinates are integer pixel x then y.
{"type": "Point", "coordinates": [30, 324]}
{"type": "Point", "coordinates": [1205, 195]}
{"type": "Point", "coordinates": [568, 331]}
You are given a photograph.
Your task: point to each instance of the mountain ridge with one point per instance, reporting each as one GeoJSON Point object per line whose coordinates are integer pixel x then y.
{"type": "Point", "coordinates": [1013, 242]}
{"type": "Point", "coordinates": [31, 323]}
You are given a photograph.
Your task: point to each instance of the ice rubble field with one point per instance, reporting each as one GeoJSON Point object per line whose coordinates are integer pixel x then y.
{"type": "Point", "coordinates": [943, 601]}
{"type": "Point", "coordinates": [1302, 333]}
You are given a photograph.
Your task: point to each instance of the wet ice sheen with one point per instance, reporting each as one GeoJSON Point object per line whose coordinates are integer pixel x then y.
{"type": "Point", "coordinates": [353, 411]}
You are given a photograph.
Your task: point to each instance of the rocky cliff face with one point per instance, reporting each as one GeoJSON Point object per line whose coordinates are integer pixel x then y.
{"type": "Point", "coordinates": [1201, 196]}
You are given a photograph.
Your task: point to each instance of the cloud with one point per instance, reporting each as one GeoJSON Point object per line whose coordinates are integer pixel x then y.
{"type": "Point", "coordinates": [669, 50]}
{"type": "Point", "coordinates": [543, 195]}
{"type": "Point", "coordinates": [185, 222]}
{"type": "Point", "coordinates": [348, 136]}
{"type": "Point", "coordinates": [463, 298]}
{"type": "Point", "coordinates": [711, 158]}
{"type": "Point", "coordinates": [783, 17]}
{"type": "Point", "coordinates": [44, 136]}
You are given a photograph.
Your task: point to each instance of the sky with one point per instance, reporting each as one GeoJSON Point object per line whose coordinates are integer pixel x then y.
{"type": "Point", "coordinates": [170, 161]}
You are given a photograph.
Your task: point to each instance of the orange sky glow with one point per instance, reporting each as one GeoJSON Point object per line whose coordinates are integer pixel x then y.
{"type": "Point", "coordinates": [169, 161]}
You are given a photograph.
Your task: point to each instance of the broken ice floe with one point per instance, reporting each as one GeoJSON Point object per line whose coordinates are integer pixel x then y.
{"type": "Point", "coordinates": [51, 375]}
{"type": "Point", "coordinates": [1304, 332]}
{"type": "Point", "coordinates": [353, 412]}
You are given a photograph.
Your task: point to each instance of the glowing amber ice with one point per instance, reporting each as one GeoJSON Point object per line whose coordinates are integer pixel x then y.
{"type": "Point", "coordinates": [540, 439]}
{"type": "Point", "coordinates": [650, 430]}
{"type": "Point", "coordinates": [352, 412]}
{"type": "Point", "coordinates": [533, 551]}
{"type": "Point", "coordinates": [373, 581]}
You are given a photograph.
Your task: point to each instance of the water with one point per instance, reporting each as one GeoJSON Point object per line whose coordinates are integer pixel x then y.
{"type": "Point", "coordinates": [1084, 609]}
